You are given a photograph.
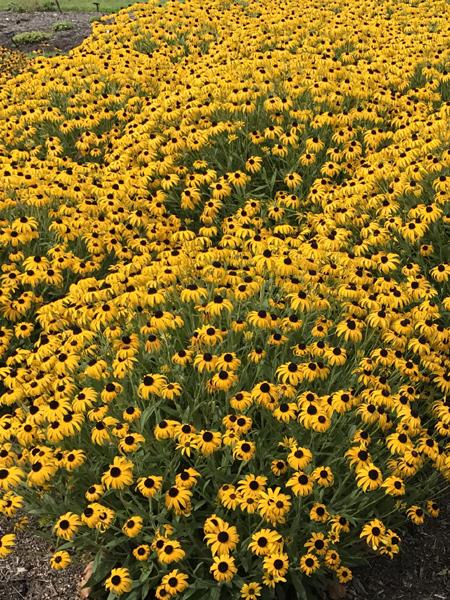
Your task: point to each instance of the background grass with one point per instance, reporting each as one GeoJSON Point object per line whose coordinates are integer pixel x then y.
{"type": "Point", "coordinates": [105, 6]}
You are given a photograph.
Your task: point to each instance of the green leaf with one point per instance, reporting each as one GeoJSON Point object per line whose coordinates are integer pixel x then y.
{"type": "Point", "coordinates": [214, 594]}
{"type": "Point", "coordinates": [298, 585]}
{"type": "Point", "coordinates": [101, 567]}
{"type": "Point", "coordinates": [145, 590]}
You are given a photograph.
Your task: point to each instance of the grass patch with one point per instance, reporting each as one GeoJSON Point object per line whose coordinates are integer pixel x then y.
{"type": "Point", "coordinates": [104, 6]}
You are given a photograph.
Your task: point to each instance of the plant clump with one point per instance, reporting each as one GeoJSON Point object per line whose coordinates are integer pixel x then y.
{"type": "Point", "coordinates": [11, 63]}
{"type": "Point", "coordinates": [25, 38]}
{"type": "Point", "coordinates": [63, 26]}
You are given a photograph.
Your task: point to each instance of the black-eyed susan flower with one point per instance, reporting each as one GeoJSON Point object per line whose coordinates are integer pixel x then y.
{"type": "Point", "coordinates": [208, 441]}
{"type": "Point", "coordinates": [394, 486]}
{"type": "Point", "coordinates": [344, 574]}
{"type": "Point", "coordinates": [373, 533]}
{"type": "Point", "coordinates": [277, 565]}
{"type": "Point", "coordinates": [223, 380]}
{"type": "Point", "coordinates": [151, 384]}
{"type": "Point", "coordinates": [252, 485]}
{"type": "Point", "coordinates": [300, 483]}
{"type": "Point", "coordinates": [131, 442]}
{"type": "Point", "coordinates": [131, 414]}
{"type": "Point", "coordinates": [253, 164]}
{"type": "Point", "coordinates": [244, 450]}
{"type": "Point", "coordinates": [251, 591]}
{"type": "Point", "coordinates": [119, 475]}
{"type": "Point", "coordinates": [223, 568]}
{"type": "Point", "coordinates": [94, 493]}
{"type": "Point", "coordinates": [241, 401]}
{"type": "Point", "coordinates": [416, 514]}
{"type": "Point", "coordinates": [91, 514]}
{"type": "Point", "coordinates": [256, 355]}
{"type": "Point", "coordinates": [228, 361]}
{"type": "Point", "coordinates": [317, 543]}
{"type": "Point", "coordinates": [265, 393]}
{"type": "Point", "coordinates": [142, 552]}
{"type": "Point", "coordinates": [369, 477]}
{"type": "Point", "coordinates": [228, 496]}
{"type": "Point", "coordinates": [10, 504]}
{"type": "Point", "coordinates": [340, 524]}
{"type": "Point", "coordinates": [323, 476]}
{"type": "Point", "coordinates": [41, 472]}
{"type": "Point", "coordinates": [205, 362]}
{"type": "Point", "coordinates": [7, 543]}
{"type": "Point", "coordinates": [432, 508]}
{"type": "Point", "coordinates": [299, 458]}
{"type": "Point", "coordinates": [285, 412]}
{"type": "Point", "coordinates": [273, 505]}
{"type": "Point", "coordinates": [182, 357]}
{"type": "Point", "coordinates": [319, 513]}
{"type": "Point", "coordinates": [60, 560]}
{"type": "Point", "coordinates": [178, 499]}
{"type": "Point", "coordinates": [165, 429]}
{"type": "Point", "coordinates": [187, 478]}
{"type": "Point", "coordinates": [332, 558]}
{"type": "Point", "coordinates": [264, 542]}
{"type": "Point", "coordinates": [309, 563]}
{"type": "Point", "coordinates": [10, 477]}
{"type": "Point", "coordinates": [67, 525]}
{"type": "Point", "coordinates": [223, 540]}
{"type": "Point", "coordinates": [133, 526]}
{"type": "Point", "coordinates": [175, 582]}
{"type": "Point", "coordinates": [119, 581]}
{"type": "Point", "coordinates": [171, 551]}
{"type": "Point", "coordinates": [290, 373]}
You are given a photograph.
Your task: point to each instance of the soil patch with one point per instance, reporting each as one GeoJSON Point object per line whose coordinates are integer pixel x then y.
{"type": "Point", "coordinates": [61, 41]}
{"type": "Point", "coordinates": [420, 572]}
{"type": "Point", "coordinates": [26, 573]}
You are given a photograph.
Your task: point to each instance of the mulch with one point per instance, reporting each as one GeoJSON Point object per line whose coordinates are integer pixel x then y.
{"type": "Point", "coordinates": [61, 41]}
{"type": "Point", "coordinates": [26, 573]}
{"type": "Point", "coordinates": [420, 572]}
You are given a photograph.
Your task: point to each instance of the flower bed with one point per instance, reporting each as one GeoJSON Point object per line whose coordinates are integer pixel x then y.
{"type": "Point", "coordinates": [224, 298]}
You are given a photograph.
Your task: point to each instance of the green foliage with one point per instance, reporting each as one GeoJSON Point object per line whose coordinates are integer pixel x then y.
{"type": "Point", "coordinates": [63, 26]}
{"type": "Point", "coordinates": [29, 6]}
{"type": "Point", "coordinates": [31, 37]}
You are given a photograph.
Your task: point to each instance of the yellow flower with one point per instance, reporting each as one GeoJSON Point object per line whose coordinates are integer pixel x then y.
{"type": "Point", "coordinates": [7, 543]}
{"type": "Point", "coordinates": [175, 582]}
{"type": "Point", "coordinates": [119, 474]}
{"type": "Point", "coordinates": [369, 477]}
{"type": "Point", "coordinates": [223, 568]}
{"type": "Point", "coordinates": [133, 526]}
{"type": "Point", "coordinates": [60, 560]}
{"type": "Point", "coordinates": [119, 581]}
{"type": "Point", "coordinates": [309, 563]}
{"type": "Point", "coordinates": [67, 525]}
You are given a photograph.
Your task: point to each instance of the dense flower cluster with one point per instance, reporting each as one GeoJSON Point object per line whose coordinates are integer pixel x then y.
{"type": "Point", "coordinates": [11, 63]}
{"type": "Point", "coordinates": [224, 292]}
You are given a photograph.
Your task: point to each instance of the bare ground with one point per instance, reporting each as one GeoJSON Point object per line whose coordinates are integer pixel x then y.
{"type": "Point", "coordinates": [61, 41]}
{"type": "Point", "coordinates": [26, 573]}
{"type": "Point", "coordinates": [420, 572]}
